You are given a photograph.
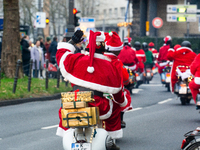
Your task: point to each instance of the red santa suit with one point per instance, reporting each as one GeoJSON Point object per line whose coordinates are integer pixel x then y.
{"type": "Point", "coordinates": [88, 71]}
{"type": "Point", "coordinates": [141, 58]}
{"type": "Point", "coordinates": [128, 57]}
{"type": "Point", "coordinates": [153, 50]}
{"type": "Point", "coordinates": [182, 56]}
{"type": "Point", "coordinates": [195, 83]}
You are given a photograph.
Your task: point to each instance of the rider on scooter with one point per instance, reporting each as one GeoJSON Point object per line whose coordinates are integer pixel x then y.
{"type": "Point", "coordinates": [181, 56]}
{"type": "Point", "coordinates": [195, 83]}
{"type": "Point", "coordinates": [140, 55]}
{"type": "Point", "coordinates": [87, 73]}
{"type": "Point", "coordinates": [153, 50]}
{"type": "Point", "coordinates": [149, 56]}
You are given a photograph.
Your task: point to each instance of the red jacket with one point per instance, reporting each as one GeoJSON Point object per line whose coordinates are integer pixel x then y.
{"type": "Point", "coordinates": [141, 55]}
{"type": "Point", "coordinates": [195, 66]}
{"type": "Point", "coordinates": [162, 56]}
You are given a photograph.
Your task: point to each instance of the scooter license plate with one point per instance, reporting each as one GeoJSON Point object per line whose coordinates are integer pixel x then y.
{"type": "Point", "coordinates": [138, 78]}
{"type": "Point", "coordinates": [81, 146]}
{"type": "Point", "coordinates": [148, 74]}
{"type": "Point", "coordinates": [182, 90]}
{"type": "Point", "coordinates": [168, 80]}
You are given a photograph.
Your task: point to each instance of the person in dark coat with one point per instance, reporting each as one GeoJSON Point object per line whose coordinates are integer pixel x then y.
{"type": "Point", "coordinates": [47, 45]}
{"type": "Point", "coordinates": [53, 50]}
{"type": "Point", "coordinates": [40, 38]}
{"type": "Point", "coordinates": [26, 56]}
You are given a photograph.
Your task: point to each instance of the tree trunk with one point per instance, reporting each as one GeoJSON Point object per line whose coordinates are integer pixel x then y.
{"type": "Point", "coordinates": [11, 51]}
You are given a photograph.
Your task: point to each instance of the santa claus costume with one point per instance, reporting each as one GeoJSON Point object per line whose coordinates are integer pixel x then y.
{"type": "Point", "coordinates": [181, 56]}
{"type": "Point", "coordinates": [153, 50]}
{"type": "Point", "coordinates": [195, 83]}
{"type": "Point", "coordinates": [87, 73]}
{"type": "Point", "coordinates": [128, 55]}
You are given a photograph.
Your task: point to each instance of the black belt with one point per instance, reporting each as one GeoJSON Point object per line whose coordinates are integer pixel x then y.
{"type": "Point", "coordinates": [97, 93]}
{"type": "Point", "coordinates": [131, 64]}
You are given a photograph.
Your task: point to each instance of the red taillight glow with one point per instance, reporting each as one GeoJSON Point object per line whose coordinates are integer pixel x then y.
{"type": "Point", "coordinates": [168, 75]}
{"type": "Point", "coordinates": [183, 143]}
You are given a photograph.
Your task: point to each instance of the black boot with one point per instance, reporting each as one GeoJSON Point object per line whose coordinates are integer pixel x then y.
{"type": "Point", "coordinates": [123, 124]}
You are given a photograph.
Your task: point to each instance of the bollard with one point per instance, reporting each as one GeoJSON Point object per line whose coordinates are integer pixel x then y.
{"type": "Point", "coordinates": [36, 73]}
{"type": "Point", "coordinates": [47, 74]}
{"type": "Point", "coordinates": [16, 75]}
{"type": "Point", "coordinates": [58, 77]}
{"type": "Point", "coordinates": [29, 76]}
{"type": "Point", "coordinates": [0, 72]}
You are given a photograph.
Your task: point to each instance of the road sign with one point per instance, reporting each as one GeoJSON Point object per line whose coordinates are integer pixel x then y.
{"type": "Point", "coordinates": [86, 24]}
{"type": "Point", "coordinates": [157, 22]}
{"type": "Point", "coordinates": [1, 23]}
{"type": "Point", "coordinates": [40, 20]}
{"type": "Point", "coordinates": [182, 9]}
{"type": "Point", "coordinates": [181, 18]}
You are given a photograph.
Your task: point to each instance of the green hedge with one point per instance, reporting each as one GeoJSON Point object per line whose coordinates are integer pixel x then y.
{"type": "Point", "coordinates": [194, 41]}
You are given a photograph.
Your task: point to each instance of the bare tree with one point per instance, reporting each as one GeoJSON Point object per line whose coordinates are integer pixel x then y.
{"type": "Point", "coordinates": [11, 38]}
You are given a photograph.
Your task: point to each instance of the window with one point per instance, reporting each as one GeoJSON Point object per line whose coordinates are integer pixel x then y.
{"type": "Point", "coordinates": [104, 12]}
{"type": "Point", "coordinates": [97, 14]}
{"type": "Point", "coordinates": [110, 13]}
{"type": "Point", "coordinates": [116, 13]}
{"type": "Point", "coordinates": [122, 11]}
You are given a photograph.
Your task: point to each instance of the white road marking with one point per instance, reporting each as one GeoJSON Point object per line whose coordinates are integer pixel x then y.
{"type": "Point", "coordinates": [49, 127]}
{"type": "Point", "coordinates": [135, 91]}
{"type": "Point", "coordinates": [0, 138]}
{"type": "Point", "coordinates": [165, 101]}
{"type": "Point", "coordinates": [151, 84]}
{"type": "Point", "coordinates": [134, 109]}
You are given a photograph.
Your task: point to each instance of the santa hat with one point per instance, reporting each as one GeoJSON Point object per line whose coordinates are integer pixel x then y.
{"type": "Point", "coordinates": [128, 39]}
{"type": "Point", "coordinates": [151, 44]}
{"type": "Point", "coordinates": [94, 42]}
{"type": "Point", "coordinates": [114, 43]}
{"type": "Point", "coordinates": [177, 46]}
{"type": "Point", "coordinates": [107, 36]}
{"type": "Point", "coordinates": [167, 38]}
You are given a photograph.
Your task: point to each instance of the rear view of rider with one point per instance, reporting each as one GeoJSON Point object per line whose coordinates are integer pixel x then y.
{"type": "Point", "coordinates": [140, 55]}
{"type": "Point", "coordinates": [149, 56]}
{"type": "Point", "coordinates": [128, 55]}
{"type": "Point", "coordinates": [162, 56]}
{"type": "Point", "coordinates": [181, 56]}
{"type": "Point", "coordinates": [153, 50]}
{"type": "Point", "coordinates": [195, 84]}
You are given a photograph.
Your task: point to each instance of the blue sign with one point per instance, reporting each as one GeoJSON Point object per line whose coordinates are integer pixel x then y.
{"type": "Point", "coordinates": [173, 17]}
{"type": "Point", "coordinates": [66, 30]}
{"type": "Point", "coordinates": [38, 19]}
{"type": "Point", "coordinates": [87, 20]}
{"type": "Point", "coordinates": [1, 24]}
{"type": "Point", "coordinates": [174, 8]}
{"type": "Point", "coordinates": [88, 29]}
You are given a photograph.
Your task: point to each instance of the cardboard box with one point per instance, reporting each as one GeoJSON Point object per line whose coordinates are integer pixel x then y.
{"type": "Point", "coordinates": [78, 117]}
{"type": "Point", "coordinates": [70, 105]}
{"type": "Point", "coordinates": [84, 96]}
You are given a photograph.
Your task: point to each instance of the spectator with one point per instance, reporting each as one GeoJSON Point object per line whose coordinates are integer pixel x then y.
{"type": "Point", "coordinates": [53, 50]}
{"type": "Point", "coordinates": [30, 45]}
{"type": "Point", "coordinates": [37, 56]}
{"type": "Point", "coordinates": [40, 38]}
{"type": "Point", "coordinates": [47, 45]}
{"type": "Point", "coordinates": [25, 54]}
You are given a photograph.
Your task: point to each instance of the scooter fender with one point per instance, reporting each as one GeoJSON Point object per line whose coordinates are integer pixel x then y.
{"type": "Point", "coordinates": [98, 142]}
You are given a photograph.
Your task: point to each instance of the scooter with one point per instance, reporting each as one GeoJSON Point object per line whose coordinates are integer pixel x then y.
{"type": "Point", "coordinates": [181, 88]}
{"type": "Point", "coordinates": [192, 140]}
{"type": "Point", "coordinates": [132, 80]}
{"type": "Point", "coordinates": [85, 131]}
{"type": "Point", "coordinates": [148, 75]}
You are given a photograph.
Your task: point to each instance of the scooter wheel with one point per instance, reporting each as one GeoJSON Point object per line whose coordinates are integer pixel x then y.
{"type": "Point", "coordinates": [194, 146]}
{"type": "Point", "coordinates": [183, 100]}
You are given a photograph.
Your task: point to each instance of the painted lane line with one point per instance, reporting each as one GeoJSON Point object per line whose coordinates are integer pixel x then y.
{"type": "Point", "coordinates": [135, 91]}
{"type": "Point", "coordinates": [165, 101]}
{"type": "Point", "coordinates": [135, 109]}
{"type": "Point", "coordinates": [49, 127]}
{"type": "Point", "coordinates": [151, 85]}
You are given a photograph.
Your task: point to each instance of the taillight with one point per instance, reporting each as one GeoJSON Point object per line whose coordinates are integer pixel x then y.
{"type": "Point", "coordinates": [136, 74]}
{"type": "Point", "coordinates": [183, 143]}
{"type": "Point", "coordinates": [168, 75]}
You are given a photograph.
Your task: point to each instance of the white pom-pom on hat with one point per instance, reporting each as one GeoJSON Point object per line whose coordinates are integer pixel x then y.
{"type": "Point", "coordinates": [110, 33]}
{"type": "Point", "coordinates": [90, 69]}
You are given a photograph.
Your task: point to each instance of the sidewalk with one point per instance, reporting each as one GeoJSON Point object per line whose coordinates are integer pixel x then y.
{"type": "Point", "coordinates": [25, 100]}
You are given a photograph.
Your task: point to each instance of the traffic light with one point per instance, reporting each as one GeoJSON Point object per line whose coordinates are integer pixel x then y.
{"type": "Point", "coordinates": [75, 11]}
{"type": "Point", "coordinates": [47, 21]}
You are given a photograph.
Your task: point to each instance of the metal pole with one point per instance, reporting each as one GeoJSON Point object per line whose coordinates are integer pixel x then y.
{"type": "Point", "coordinates": [156, 38]}
{"type": "Point", "coordinates": [40, 10]}
{"type": "Point", "coordinates": [103, 25]}
{"type": "Point", "coordinates": [58, 77]}
{"type": "Point", "coordinates": [16, 75]}
{"type": "Point", "coordinates": [29, 76]}
{"type": "Point", "coordinates": [36, 73]}
{"type": "Point", "coordinates": [47, 74]}
{"type": "Point", "coordinates": [188, 29]}
{"type": "Point", "coordinates": [0, 72]}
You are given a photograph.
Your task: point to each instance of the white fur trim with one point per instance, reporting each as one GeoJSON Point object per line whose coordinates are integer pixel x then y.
{"type": "Point", "coordinates": [140, 55]}
{"type": "Point", "coordinates": [116, 134]}
{"type": "Point", "coordinates": [111, 48]}
{"type": "Point", "coordinates": [90, 69]}
{"type": "Point", "coordinates": [125, 101]}
{"type": "Point", "coordinates": [132, 67]}
{"type": "Point", "coordinates": [80, 82]}
{"type": "Point", "coordinates": [184, 48]}
{"type": "Point", "coordinates": [60, 132]}
{"type": "Point", "coordinates": [66, 46]}
{"type": "Point", "coordinates": [101, 38]}
{"type": "Point", "coordinates": [100, 56]}
{"type": "Point", "coordinates": [110, 33]}
{"type": "Point", "coordinates": [171, 49]}
{"type": "Point", "coordinates": [163, 64]}
{"type": "Point", "coordinates": [197, 80]}
{"type": "Point", "coordinates": [109, 113]}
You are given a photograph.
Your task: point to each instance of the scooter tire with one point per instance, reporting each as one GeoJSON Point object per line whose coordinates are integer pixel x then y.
{"type": "Point", "coordinates": [168, 88]}
{"type": "Point", "coordinates": [194, 146]}
{"type": "Point", "coordinates": [183, 100]}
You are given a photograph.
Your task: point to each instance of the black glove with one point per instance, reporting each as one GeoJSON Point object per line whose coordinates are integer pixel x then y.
{"type": "Point", "coordinates": [77, 37]}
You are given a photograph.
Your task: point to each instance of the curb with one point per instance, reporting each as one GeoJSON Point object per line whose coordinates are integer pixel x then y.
{"type": "Point", "coordinates": [26, 100]}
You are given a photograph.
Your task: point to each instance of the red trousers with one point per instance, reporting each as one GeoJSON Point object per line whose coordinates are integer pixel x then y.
{"type": "Point", "coordinates": [194, 89]}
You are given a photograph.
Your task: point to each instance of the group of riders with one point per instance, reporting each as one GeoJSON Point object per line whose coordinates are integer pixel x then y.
{"type": "Point", "coordinates": [101, 68]}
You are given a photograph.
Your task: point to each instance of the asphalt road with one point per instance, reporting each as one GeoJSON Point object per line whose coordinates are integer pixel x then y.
{"type": "Point", "coordinates": [157, 122]}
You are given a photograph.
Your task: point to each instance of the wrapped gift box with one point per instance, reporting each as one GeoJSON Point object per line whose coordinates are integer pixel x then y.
{"type": "Point", "coordinates": [70, 105]}
{"type": "Point", "coordinates": [78, 117]}
{"type": "Point", "coordinates": [84, 96]}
